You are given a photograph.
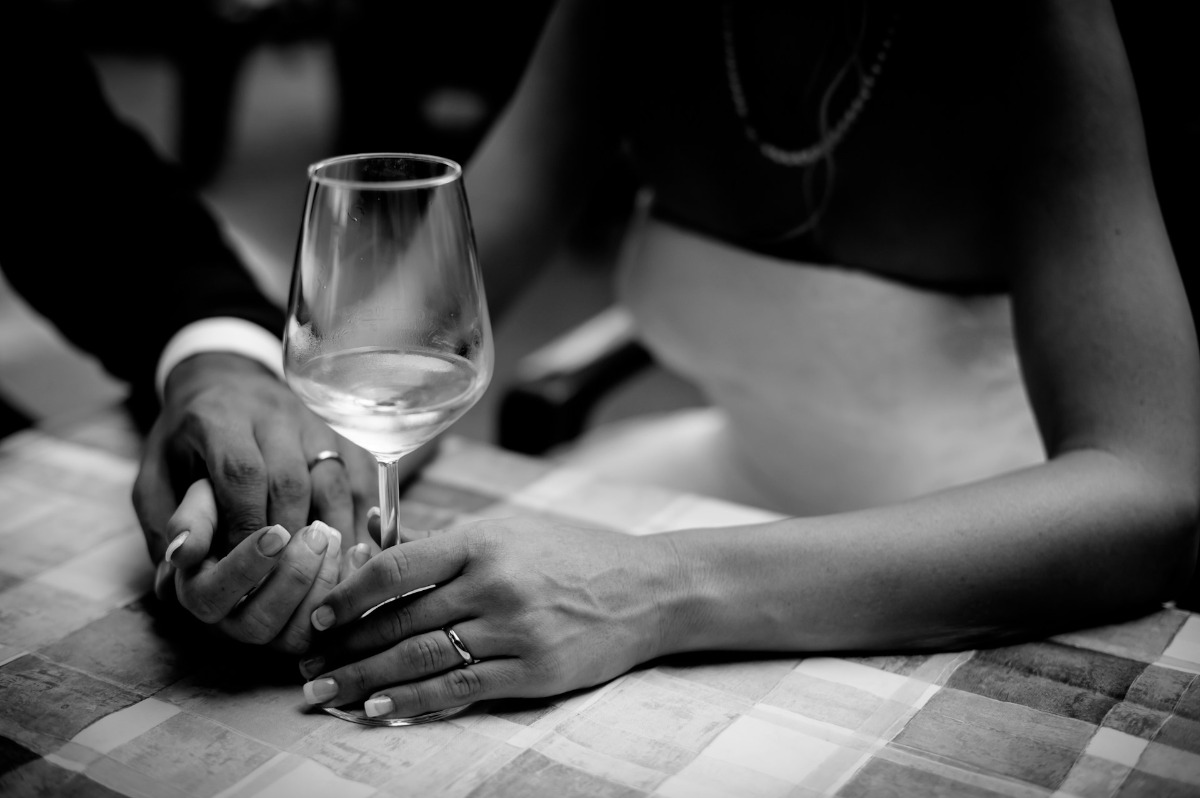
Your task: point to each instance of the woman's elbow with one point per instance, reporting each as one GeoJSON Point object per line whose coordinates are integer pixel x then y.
{"type": "Point", "coordinates": [1159, 512]}
{"type": "Point", "coordinates": [1171, 503]}
{"type": "Point", "coordinates": [1183, 512]}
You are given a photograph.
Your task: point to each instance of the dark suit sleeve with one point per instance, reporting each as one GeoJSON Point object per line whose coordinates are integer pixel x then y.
{"type": "Point", "coordinates": [97, 232]}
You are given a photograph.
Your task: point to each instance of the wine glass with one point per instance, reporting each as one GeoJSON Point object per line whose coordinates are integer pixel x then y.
{"type": "Point", "coordinates": [387, 336]}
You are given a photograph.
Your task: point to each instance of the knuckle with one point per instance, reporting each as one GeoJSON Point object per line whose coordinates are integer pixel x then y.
{"type": "Point", "coordinates": [355, 678]}
{"type": "Point", "coordinates": [463, 684]}
{"type": "Point", "coordinates": [400, 623]}
{"type": "Point", "coordinates": [481, 543]}
{"type": "Point", "coordinates": [288, 485]}
{"type": "Point", "coordinates": [294, 575]}
{"type": "Point", "coordinates": [394, 570]}
{"type": "Point", "coordinates": [327, 579]}
{"type": "Point", "coordinates": [241, 471]}
{"type": "Point", "coordinates": [508, 596]}
{"type": "Point", "coordinates": [245, 572]}
{"type": "Point", "coordinates": [423, 655]}
{"type": "Point", "coordinates": [242, 522]}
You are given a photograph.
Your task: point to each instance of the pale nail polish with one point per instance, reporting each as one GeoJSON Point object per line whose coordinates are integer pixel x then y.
{"type": "Point", "coordinates": [273, 540]}
{"type": "Point", "coordinates": [175, 544]}
{"type": "Point", "coordinates": [374, 707]}
{"type": "Point", "coordinates": [322, 617]}
{"type": "Point", "coordinates": [360, 554]}
{"type": "Point", "coordinates": [373, 513]}
{"type": "Point", "coordinates": [335, 539]}
{"type": "Point", "coordinates": [317, 537]}
{"type": "Point", "coordinates": [311, 666]}
{"type": "Point", "coordinates": [320, 690]}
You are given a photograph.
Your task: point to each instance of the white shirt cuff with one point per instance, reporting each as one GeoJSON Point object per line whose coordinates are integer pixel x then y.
{"type": "Point", "coordinates": [223, 334]}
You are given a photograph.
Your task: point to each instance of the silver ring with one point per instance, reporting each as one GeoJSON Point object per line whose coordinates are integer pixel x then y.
{"type": "Point", "coordinates": [327, 454]}
{"type": "Point", "coordinates": [457, 642]}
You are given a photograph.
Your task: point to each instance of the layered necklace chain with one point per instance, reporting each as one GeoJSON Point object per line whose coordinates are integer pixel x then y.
{"type": "Point", "coordinates": [830, 136]}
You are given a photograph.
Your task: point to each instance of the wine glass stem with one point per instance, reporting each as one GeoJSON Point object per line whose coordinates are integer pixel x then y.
{"type": "Point", "coordinates": [389, 496]}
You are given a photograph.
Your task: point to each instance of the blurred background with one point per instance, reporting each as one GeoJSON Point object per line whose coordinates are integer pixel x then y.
{"type": "Point", "coordinates": [244, 94]}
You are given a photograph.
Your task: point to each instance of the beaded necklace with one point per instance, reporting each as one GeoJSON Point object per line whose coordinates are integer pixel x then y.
{"type": "Point", "coordinates": [831, 136]}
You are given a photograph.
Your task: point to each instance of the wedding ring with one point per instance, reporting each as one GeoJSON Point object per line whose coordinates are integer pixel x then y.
{"type": "Point", "coordinates": [327, 454]}
{"type": "Point", "coordinates": [457, 642]}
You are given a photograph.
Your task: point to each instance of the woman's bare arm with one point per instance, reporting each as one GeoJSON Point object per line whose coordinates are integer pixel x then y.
{"type": "Point", "coordinates": [1108, 524]}
{"type": "Point", "coordinates": [1105, 528]}
{"type": "Point", "coordinates": [535, 167]}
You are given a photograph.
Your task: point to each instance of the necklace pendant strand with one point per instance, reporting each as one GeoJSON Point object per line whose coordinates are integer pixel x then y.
{"type": "Point", "coordinates": [823, 147]}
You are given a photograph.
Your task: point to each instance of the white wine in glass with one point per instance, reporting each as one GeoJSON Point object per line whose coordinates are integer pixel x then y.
{"type": "Point", "coordinates": [387, 337]}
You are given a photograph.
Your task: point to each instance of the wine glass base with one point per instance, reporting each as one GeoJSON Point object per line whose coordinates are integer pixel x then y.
{"type": "Point", "coordinates": [360, 717]}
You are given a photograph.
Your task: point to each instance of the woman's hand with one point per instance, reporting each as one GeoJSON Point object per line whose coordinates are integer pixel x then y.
{"type": "Point", "coordinates": [264, 590]}
{"type": "Point", "coordinates": [541, 608]}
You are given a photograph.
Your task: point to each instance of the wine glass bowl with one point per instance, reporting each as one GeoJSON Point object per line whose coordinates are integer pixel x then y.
{"type": "Point", "coordinates": [387, 336]}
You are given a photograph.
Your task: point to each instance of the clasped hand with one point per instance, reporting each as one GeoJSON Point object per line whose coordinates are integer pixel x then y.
{"type": "Point", "coordinates": [225, 488]}
{"type": "Point", "coordinates": [262, 591]}
{"type": "Point", "coordinates": [540, 608]}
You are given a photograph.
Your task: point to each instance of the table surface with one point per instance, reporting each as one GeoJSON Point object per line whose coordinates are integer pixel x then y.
{"type": "Point", "coordinates": [99, 695]}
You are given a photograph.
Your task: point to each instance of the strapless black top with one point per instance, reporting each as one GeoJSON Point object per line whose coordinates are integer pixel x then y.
{"type": "Point", "coordinates": [682, 130]}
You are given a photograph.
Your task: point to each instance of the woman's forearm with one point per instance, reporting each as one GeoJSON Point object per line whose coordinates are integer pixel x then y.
{"type": "Point", "coordinates": [1081, 539]}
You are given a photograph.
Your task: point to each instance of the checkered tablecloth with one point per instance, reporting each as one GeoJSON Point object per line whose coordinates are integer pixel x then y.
{"type": "Point", "coordinates": [101, 694]}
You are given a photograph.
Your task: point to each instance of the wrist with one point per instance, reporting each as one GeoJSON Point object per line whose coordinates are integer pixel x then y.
{"type": "Point", "coordinates": [672, 582]}
{"type": "Point", "coordinates": [196, 371]}
{"type": "Point", "coordinates": [719, 595]}
{"type": "Point", "coordinates": [218, 334]}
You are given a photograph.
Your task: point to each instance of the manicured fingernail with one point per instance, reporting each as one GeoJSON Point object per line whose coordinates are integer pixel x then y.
{"type": "Point", "coordinates": [360, 554]}
{"type": "Point", "coordinates": [374, 707]}
{"type": "Point", "coordinates": [312, 666]}
{"type": "Point", "coordinates": [335, 539]}
{"type": "Point", "coordinates": [273, 540]}
{"type": "Point", "coordinates": [317, 537]}
{"type": "Point", "coordinates": [373, 514]}
{"type": "Point", "coordinates": [320, 690]}
{"type": "Point", "coordinates": [322, 617]}
{"type": "Point", "coordinates": [175, 544]}
{"type": "Point", "coordinates": [163, 573]}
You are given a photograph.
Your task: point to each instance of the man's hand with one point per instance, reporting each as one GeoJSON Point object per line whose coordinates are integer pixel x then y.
{"type": "Point", "coordinates": [228, 459]}
{"type": "Point", "coordinates": [263, 591]}
{"type": "Point", "coordinates": [228, 419]}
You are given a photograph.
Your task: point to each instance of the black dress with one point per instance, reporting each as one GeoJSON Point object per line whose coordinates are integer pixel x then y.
{"type": "Point", "coordinates": [97, 232]}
